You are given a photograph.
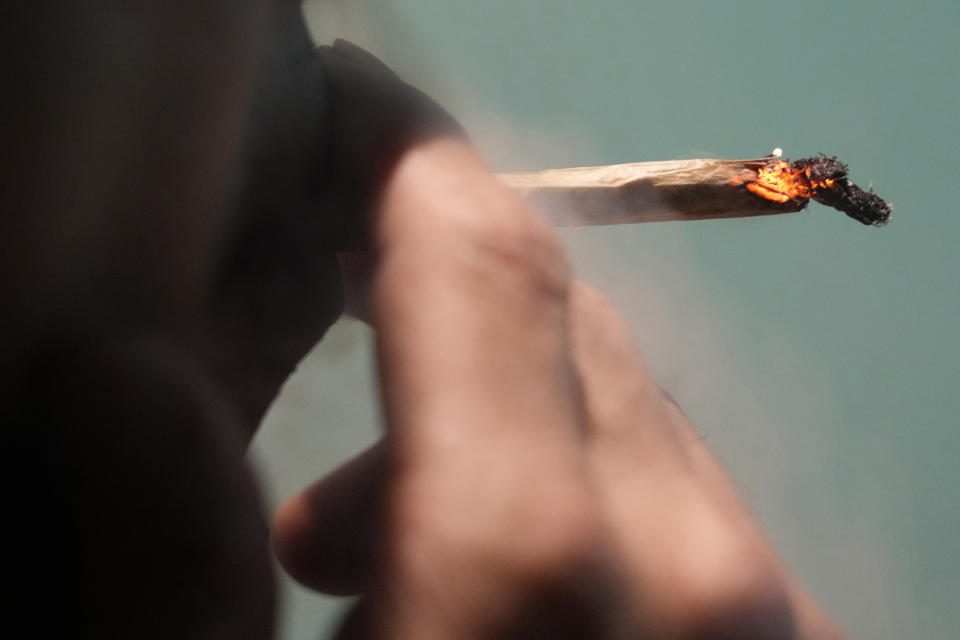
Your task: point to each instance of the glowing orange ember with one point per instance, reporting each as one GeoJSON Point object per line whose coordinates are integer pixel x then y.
{"type": "Point", "coordinates": [781, 181]}
{"type": "Point", "coordinates": [824, 179]}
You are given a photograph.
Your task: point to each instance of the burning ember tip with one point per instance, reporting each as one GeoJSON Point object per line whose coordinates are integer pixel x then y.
{"type": "Point", "coordinates": [824, 179]}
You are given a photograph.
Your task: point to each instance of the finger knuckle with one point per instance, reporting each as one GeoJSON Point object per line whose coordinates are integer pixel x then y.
{"type": "Point", "coordinates": [561, 533]}
{"type": "Point", "coordinates": [731, 592]}
{"type": "Point", "coordinates": [517, 248]}
{"type": "Point", "coordinates": [527, 537]}
{"type": "Point", "coordinates": [600, 324]}
{"type": "Point", "coordinates": [588, 300]}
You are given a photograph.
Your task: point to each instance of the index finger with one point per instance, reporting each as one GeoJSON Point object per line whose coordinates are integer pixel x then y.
{"type": "Point", "coordinates": [469, 302]}
{"type": "Point", "coordinates": [488, 501]}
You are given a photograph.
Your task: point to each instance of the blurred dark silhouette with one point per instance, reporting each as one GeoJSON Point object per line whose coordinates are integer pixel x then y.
{"type": "Point", "coordinates": [172, 198]}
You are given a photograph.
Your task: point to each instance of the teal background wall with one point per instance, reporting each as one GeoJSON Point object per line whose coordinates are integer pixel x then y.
{"type": "Point", "coordinates": [819, 357]}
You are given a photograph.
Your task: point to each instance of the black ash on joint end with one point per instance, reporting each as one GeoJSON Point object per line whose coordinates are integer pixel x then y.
{"type": "Point", "coordinates": [863, 206]}
{"type": "Point", "coordinates": [831, 187]}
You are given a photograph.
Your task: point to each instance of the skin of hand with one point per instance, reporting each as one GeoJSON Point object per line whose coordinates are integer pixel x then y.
{"type": "Point", "coordinates": [533, 480]}
{"type": "Point", "coordinates": [520, 489]}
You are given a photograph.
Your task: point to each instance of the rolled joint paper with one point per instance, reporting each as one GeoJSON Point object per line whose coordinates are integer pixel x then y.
{"type": "Point", "coordinates": [695, 190]}
{"type": "Point", "coordinates": [647, 192]}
